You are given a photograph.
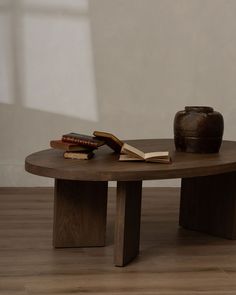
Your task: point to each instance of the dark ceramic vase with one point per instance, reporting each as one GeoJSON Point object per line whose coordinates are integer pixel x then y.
{"type": "Point", "coordinates": [198, 129]}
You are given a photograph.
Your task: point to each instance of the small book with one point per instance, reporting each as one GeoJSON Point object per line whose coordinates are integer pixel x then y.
{"type": "Point", "coordinates": [68, 146]}
{"type": "Point", "coordinates": [130, 153]}
{"type": "Point", "coordinates": [81, 139]}
{"type": "Point", "coordinates": [111, 140]}
{"type": "Point", "coordinates": [78, 155]}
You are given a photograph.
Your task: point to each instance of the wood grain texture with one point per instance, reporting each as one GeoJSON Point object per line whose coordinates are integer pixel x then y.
{"type": "Point", "coordinates": [80, 209]}
{"type": "Point", "coordinates": [208, 204]}
{"type": "Point", "coordinates": [105, 165]}
{"type": "Point", "coordinates": [127, 228]}
{"type": "Point", "coordinates": [172, 260]}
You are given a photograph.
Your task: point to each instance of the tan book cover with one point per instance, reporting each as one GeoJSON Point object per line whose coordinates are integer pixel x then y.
{"type": "Point", "coordinates": [110, 139]}
{"type": "Point", "coordinates": [78, 155]}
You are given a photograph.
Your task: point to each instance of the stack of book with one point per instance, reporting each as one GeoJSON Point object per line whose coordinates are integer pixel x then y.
{"type": "Point", "coordinates": [80, 146]}
{"type": "Point", "coordinates": [77, 146]}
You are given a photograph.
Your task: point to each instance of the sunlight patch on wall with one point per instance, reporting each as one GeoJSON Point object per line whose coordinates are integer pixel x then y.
{"type": "Point", "coordinates": [5, 60]}
{"type": "Point", "coordinates": [58, 63]}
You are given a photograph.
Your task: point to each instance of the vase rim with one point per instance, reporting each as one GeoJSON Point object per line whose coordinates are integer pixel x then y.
{"type": "Point", "coordinates": [200, 109]}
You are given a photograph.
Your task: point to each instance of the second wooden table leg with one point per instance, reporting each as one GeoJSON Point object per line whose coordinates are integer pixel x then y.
{"type": "Point", "coordinates": [127, 228]}
{"type": "Point", "coordinates": [208, 204]}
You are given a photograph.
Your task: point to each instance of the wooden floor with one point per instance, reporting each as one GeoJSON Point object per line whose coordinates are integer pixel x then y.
{"type": "Point", "coordinates": [172, 260]}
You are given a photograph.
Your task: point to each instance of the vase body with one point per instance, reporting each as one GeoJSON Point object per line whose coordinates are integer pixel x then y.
{"type": "Point", "coordinates": [198, 130]}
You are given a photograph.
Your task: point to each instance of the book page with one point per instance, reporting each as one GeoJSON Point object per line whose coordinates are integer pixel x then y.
{"type": "Point", "coordinates": [130, 150]}
{"type": "Point", "coordinates": [124, 157]}
{"type": "Point", "coordinates": [156, 155]}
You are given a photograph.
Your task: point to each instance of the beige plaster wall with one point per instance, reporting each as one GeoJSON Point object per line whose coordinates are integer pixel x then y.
{"type": "Point", "coordinates": [125, 66]}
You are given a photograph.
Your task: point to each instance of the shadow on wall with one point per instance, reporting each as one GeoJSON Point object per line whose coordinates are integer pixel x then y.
{"type": "Point", "coordinates": [120, 64]}
{"type": "Point", "coordinates": [87, 64]}
{"type": "Point", "coordinates": [123, 66]}
{"type": "Point", "coordinates": [47, 82]}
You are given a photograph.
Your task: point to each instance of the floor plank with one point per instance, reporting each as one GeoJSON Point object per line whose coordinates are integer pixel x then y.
{"type": "Point", "coordinates": [171, 261]}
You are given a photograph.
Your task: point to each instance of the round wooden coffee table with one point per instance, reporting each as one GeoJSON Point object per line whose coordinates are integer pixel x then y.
{"type": "Point", "coordinates": [208, 193]}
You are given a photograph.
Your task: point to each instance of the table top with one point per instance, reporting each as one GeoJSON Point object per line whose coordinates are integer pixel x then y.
{"type": "Point", "coordinates": [105, 165]}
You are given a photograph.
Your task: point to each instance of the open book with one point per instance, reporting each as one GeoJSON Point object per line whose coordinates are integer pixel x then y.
{"type": "Point", "coordinates": [130, 153]}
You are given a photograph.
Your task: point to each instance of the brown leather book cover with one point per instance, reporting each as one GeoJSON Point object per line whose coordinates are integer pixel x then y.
{"type": "Point", "coordinates": [67, 146]}
{"type": "Point", "coordinates": [81, 139]}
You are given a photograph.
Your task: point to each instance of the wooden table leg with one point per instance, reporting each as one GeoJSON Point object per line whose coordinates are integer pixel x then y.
{"type": "Point", "coordinates": [127, 227]}
{"type": "Point", "coordinates": [80, 209]}
{"type": "Point", "coordinates": [208, 204]}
